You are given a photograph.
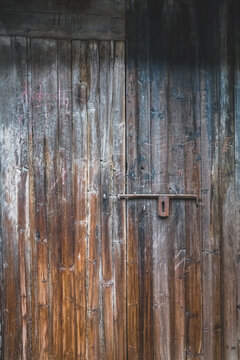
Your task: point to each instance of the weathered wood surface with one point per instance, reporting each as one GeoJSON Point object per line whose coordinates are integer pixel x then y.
{"type": "Point", "coordinates": [188, 53]}
{"type": "Point", "coordinates": [101, 7]}
{"type": "Point", "coordinates": [95, 19]}
{"type": "Point", "coordinates": [62, 26]}
{"type": "Point", "coordinates": [85, 276]}
{"type": "Point", "coordinates": [62, 243]}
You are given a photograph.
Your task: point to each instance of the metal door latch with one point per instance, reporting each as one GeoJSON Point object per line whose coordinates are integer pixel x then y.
{"type": "Point", "coordinates": [163, 200]}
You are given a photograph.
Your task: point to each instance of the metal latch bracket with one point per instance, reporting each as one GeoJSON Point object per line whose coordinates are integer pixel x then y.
{"type": "Point", "coordinates": [163, 200]}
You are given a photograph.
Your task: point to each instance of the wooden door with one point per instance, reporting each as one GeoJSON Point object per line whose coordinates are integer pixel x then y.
{"type": "Point", "coordinates": [63, 247]}
{"type": "Point", "coordinates": [85, 275]}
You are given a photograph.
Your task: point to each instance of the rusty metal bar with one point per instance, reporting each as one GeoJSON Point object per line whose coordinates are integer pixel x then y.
{"type": "Point", "coordinates": [156, 196]}
{"type": "Point", "coordinates": [163, 200]}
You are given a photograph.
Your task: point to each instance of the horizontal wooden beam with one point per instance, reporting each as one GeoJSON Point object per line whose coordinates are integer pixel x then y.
{"type": "Point", "coordinates": [62, 26]}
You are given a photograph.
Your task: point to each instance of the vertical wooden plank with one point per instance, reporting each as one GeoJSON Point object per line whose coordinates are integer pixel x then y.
{"type": "Point", "coordinates": [210, 226]}
{"type": "Point", "coordinates": [19, 52]}
{"type": "Point", "coordinates": [132, 218]}
{"type": "Point", "coordinates": [227, 183]}
{"type": "Point", "coordinates": [1, 224]}
{"type": "Point", "coordinates": [12, 323]}
{"type": "Point", "coordinates": [237, 159]}
{"type": "Point", "coordinates": [106, 53]}
{"type": "Point", "coordinates": [33, 322]}
{"type": "Point", "coordinates": [118, 208]}
{"type": "Point", "coordinates": [159, 148]}
{"type": "Point", "coordinates": [174, 117]}
{"type": "Point", "coordinates": [142, 184]}
{"type": "Point", "coordinates": [80, 178]}
{"type": "Point", "coordinates": [95, 350]}
{"type": "Point", "coordinates": [193, 229]}
{"type": "Point", "coordinates": [66, 201]}
{"type": "Point", "coordinates": [178, 146]}
{"type": "Point", "coordinates": [43, 75]}
{"type": "Point", "coordinates": [48, 103]}
{"type": "Point", "coordinates": [187, 56]}
{"type": "Point", "coordinates": [139, 175]}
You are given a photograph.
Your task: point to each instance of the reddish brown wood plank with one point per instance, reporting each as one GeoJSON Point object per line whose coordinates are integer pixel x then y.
{"type": "Point", "coordinates": [48, 103]}
{"type": "Point", "coordinates": [66, 199]}
{"type": "Point", "coordinates": [19, 52]}
{"type": "Point", "coordinates": [95, 334]}
{"type": "Point", "coordinates": [43, 64]}
{"type": "Point", "coordinates": [80, 176]}
{"type": "Point", "coordinates": [132, 219]}
{"type": "Point", "coordinates": [57, 202]}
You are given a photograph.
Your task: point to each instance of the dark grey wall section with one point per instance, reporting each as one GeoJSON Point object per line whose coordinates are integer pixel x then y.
{"type": "Point", "coordinates": [93, 19]}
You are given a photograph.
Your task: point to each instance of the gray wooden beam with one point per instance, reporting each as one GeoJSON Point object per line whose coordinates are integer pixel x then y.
{"type": "Point", "coordinates": [62, 25]}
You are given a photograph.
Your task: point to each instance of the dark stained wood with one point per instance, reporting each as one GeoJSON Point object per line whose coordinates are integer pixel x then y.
{"type": "Point", "coordinates": [62, 25]}
{"type": "Point", "coordinates": [85, 19]}
{"type": "Point", "coordinates": [210, 191]}
{"type": "Point", "coordinates": [237, 153]}
{"type": "Point", "coordinates": [103, 7]}
{"type": "Point", "coordinates": [194, 122]}
{"type": "Point", "coordinates": [227, 184]}
{"type": "Point", "coordinates": [139, 177]}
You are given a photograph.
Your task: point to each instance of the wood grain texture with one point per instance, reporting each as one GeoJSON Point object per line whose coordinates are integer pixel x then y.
{"type": "Point", "coordinates": [210, 190]}
{"type": "Point", "coordinates": [118, 208]}
{"type": "Point", "coordinates": [95, 329]}
{"type": "Point", "coordinates": [194, 121]}
{"type": "Point", "coordinates": [106, 54]}
{"type": "Point", "coordinates": [103, 7]}
{"type": "Point", "coordinates": [237, 153]}
{"type": "Point", "coordinates": [227, 181]}
{"type": "Point", "coordinates": [11, 179]}
{"type": "Point", "coordinates": [84, 275]}
{"type": "Point", "coordinates": [139, 227]}
{"type": "Point", "coordinates": [80, 176]}
{"type": "Point", "coordinates": [62, 25]}
{"type": "Point", "coordinates": [63, 295]}
{"type": "Point", "coordinates": [91, 19]}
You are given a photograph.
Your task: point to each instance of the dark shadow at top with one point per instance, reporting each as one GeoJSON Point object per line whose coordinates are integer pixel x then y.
{"type": "Point", "coordinates": [183, 32]}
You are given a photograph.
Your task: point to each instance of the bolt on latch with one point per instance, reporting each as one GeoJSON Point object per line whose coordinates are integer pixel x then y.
{"type": "Point", "coordinates": [163, 200]}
